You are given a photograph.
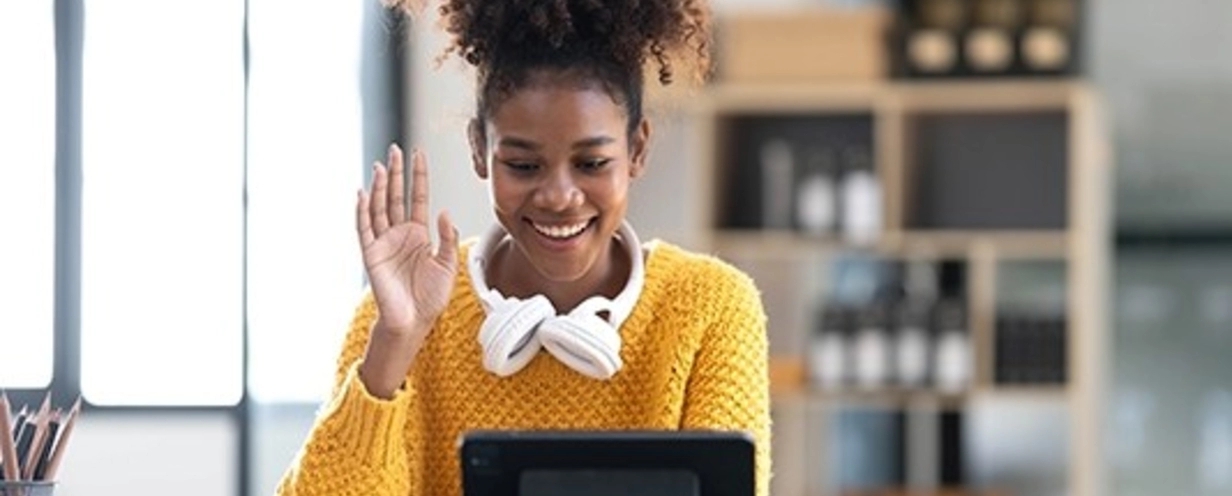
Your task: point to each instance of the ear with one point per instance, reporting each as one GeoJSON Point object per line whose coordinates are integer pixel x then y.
{"type": "Point", "coordinates": [639, 148]}
{"type": "Point", "coordinates": [479, 147]}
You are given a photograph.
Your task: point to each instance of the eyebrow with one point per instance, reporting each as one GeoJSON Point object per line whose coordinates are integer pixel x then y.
{"type": "Point", "coordinates": [525, 144]}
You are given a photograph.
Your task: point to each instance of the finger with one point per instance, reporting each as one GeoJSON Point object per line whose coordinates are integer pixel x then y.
{"type": "Point", "coordinates": [363, 220]}
{"type": "Point", "coordinates": [397, 187]}
{"type": "Point", "coordinates": [419, 188]}
{"type": "Point", "coordinates": [447, 252]}
{"type": "Point", "coordinates": [380, 218]}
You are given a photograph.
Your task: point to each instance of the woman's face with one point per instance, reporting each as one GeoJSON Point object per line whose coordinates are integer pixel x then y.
{"type": "Point", "coordinates": [559, 160]}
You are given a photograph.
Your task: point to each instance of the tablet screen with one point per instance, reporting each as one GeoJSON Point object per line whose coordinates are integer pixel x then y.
{"type": "Point", "coordinates": [608, 482]}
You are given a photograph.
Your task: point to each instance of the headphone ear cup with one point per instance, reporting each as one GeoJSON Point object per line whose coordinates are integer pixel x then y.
{"type": "Point", "coordinates": [508, 335]}
{"type": "Point", "coordinates": [584, 342]}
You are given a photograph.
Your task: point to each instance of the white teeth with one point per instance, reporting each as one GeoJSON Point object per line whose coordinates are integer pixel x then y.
{"type": "Point", "coordinates": [560, 231]}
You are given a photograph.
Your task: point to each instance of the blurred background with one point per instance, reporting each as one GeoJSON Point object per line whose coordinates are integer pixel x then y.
{"type": "Point", "coordinates": [992, 236]}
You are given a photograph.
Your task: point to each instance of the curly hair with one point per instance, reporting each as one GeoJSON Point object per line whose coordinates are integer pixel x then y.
{"type": "Point", "coordinates": [604, 41]}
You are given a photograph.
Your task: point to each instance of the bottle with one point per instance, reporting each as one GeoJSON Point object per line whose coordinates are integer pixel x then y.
{"type": "Point", "coordinates": [777, 165]}
{"type": "Point", "coordinates": [989, 44]}
{"type": "Point", "coordinates": [861, 197]}
{"type": "Point", "coordinates": [827, 353]}
{"type": "Point", "coordinates": [932, 45]}
{"type": "Point", "coordinates": [911, 344]}
{"type": "Point", "coordinates": [1047, 44]}
{"type": "Point", "coordinates": [872, 348]}
{"type": "Point", "coordinates": [816, 204]}
{"type": "Point", "coordinates": [952, 354]}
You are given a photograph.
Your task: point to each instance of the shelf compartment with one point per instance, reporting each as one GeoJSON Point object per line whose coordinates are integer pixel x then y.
{"type": "Point", "coordinates": [764, 157]}
{"type": "Point", "coordinates": [969, 171]}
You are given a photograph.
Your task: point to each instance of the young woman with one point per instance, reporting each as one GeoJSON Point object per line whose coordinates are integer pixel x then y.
{"type": "Point", "coordinates": [558, 317]}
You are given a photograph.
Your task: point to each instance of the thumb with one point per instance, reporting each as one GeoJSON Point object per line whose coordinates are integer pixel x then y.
{"type": "Point", "coordinates": [447, 252]}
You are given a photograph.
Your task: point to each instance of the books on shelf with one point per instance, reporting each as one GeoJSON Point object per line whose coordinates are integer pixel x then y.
{"type": "Point", "coordinates": [1030, 349]}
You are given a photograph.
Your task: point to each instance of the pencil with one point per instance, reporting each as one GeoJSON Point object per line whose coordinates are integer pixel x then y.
{"type": "Point", "coordinates": [7, 449]}
{"type": "Point", "coordinates": [35, 447]}
{"type": "Point", "coordinates": [44, 452]}
{"type": "Point", "coordinates": [66, 430]}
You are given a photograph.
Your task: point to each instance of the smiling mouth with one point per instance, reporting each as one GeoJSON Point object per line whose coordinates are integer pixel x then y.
{"type": "Point", "coordinates": [561, 232]}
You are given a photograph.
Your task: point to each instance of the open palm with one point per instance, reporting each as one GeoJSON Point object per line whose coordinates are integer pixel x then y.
{"type": "Point", "coordinates": [410, 280]}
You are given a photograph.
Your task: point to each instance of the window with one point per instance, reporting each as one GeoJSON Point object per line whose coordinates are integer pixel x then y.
{"type": "Point", "coordinates": [162, 202]}
{"type": "Point", "coordinates": [305, 164]}
{"type": "Point", "coordinates": [27, 193]}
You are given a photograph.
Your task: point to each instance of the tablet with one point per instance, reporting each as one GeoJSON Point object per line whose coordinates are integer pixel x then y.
{"type": "Point", "coordinates": [607, 463]}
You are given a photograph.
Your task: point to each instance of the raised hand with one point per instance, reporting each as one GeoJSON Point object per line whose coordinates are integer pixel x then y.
{"type": "Point", "coordinates": [410, 280]}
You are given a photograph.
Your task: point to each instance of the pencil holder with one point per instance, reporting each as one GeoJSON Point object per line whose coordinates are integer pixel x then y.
{"type": "Point", "coordinates": [27, 488]}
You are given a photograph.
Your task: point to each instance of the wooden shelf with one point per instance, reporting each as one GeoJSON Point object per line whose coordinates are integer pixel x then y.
{"type": "Point", "coordinates": [879, 398]}
{"type": "Point", "coordinates": [1004, 244]}
{"type": "Point", "coordinates": [1023, 392]}
{"type": "Point", "coordinates": [948, 491]}
{"type": "Point", "coordinates": [786, 244]}
{"type": "Point", "coordinates": [920, 96]}
{"type": "Point", "coordinates": [906, 398]}
{"type": "Point", "coordinates": [789, 385]}
{"type": "Point", "coordinates": [793, 98]}
{"type": "Point", "coordinates": [1003, 95]}
{"type": "Point", "coordinates": [776, 244]}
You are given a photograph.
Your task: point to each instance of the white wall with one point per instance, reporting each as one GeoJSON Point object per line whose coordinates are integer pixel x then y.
{"type": "Point", "coordinates": [278, 433]}
{"type": "Point", "coordinates": [185, 454]}
{"type": "Point", "coordinates": [442, 102]}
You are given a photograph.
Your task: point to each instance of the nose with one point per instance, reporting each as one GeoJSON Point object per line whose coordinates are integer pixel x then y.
{"type": "Point", "coordinates": [559, 192]}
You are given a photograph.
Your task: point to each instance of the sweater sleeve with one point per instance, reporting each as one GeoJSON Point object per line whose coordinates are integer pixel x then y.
{"type": "Point", "coordinates": [359, 444]}
{"type": "Point", "coordinates": [729, 386]}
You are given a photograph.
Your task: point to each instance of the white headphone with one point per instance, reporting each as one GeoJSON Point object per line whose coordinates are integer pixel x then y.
{"type": "Point", "coordinates": [514, 330]}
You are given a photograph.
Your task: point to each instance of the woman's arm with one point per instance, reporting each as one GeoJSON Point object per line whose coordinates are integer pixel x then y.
{"type": "Point", "coordinates": [361, 444]}
{"type": "Point", "coordinates": [729, 386]}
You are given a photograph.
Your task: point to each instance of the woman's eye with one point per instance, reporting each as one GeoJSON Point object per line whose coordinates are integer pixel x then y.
{"type": "Point", "coordinates": [594, 165]}
{"type": "Point", "coordinates": [520, 166]}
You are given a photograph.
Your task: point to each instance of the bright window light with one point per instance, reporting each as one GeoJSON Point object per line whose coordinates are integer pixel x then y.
{"type": "Point", "coordinates": [27, 192]}
{"type": "Point", "coordinates": [162, 202]}
{"type": "Point", "coordinates": [304, 165]}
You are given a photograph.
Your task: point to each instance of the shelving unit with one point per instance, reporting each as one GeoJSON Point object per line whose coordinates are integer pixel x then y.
{"type": "Point", "coordinates": [900, 115]}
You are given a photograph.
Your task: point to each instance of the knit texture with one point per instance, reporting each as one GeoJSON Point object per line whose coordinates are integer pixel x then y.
{"type": "Point", "coordinates": [695, 357]}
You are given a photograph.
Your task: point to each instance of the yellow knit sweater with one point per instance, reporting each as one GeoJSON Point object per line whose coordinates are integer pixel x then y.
{"type": "Point", "coordinates": [695, 357]}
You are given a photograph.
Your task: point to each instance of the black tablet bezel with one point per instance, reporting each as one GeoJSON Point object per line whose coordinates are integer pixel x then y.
{"type": "Point", "coordinates": [492, 461]}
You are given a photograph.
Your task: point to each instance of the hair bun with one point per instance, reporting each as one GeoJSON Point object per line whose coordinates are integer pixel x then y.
{"type": "Point", "coordinates": [628, 32]}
